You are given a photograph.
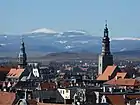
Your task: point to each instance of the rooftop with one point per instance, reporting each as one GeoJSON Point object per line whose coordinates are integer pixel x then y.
{"type": "Point", "coordinates": [107, 73]}
{"type": "Point", "coordinates": [15, 72]}
{"type": "Point", "coordinates": [123, 82]}
{"type": "Point", "coordinates": [7, 98]}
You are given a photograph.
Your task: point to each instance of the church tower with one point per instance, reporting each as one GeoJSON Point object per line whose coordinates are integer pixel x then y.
{"type": "Point", "coordinates": [105, 58]}
{"type": "Point", "coordinates": [22, 58]}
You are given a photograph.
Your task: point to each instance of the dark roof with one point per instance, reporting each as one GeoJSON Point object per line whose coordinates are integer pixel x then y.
{"type": "Point", "coordinates": [3, 72]}
{"type": "Point", "coordinates": [44, 94]}
{"type": "Point", "coordinates": [48, 94]}
{"type": "Point", "coordinates": [89, 90]}
{"type": "Point", "coordinates": [26, 85]}
{"type": "Point", "coordinates": [48, 85]}
{"type": "Point", "coordinates": [72, 93]}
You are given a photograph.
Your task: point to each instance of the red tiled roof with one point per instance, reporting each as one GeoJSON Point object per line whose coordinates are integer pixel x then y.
{"type": "Point", "coordinates": [123, 82]}
{"type": "Point", "coordinates": [116, 99]}
{"type": "Point", "coordinates": [47, 85]}
{"type": "Point", "coordinates": [121, 75]}
{"type": "Point", "coordinates": [133, 96]}
{"type": "Point", "coordinates": [32, 102]}
{"type": "Point", "coordinates": [15, 72]}
{"type": "Point", "coordinates": [3, 72]}
{"type": "Point", "coordinates": [108, 72]}
{"type": "Point", "coordinates": [65, 84]}
{"type": "Point", "coordinates": [5, 69]}
{"type": "Point", "coordinates": [7, 98]}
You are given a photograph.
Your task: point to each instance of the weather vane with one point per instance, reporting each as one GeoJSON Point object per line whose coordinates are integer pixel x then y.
{"type": "Point", "coordinates": [21, 38]}
{"type": "Point", "coordinates": [105, 23]}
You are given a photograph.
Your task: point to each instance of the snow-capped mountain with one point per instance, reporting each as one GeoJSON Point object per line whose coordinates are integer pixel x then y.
{"type": "Point", "coordinates": [77, 31]}
{"type": "Point", "coordinates": [42, 30]}
{"type": "Point", "coordinates": [46, 40]}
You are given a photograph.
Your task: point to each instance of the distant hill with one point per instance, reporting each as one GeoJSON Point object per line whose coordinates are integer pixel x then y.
{"type": "Point", "coordinates": [128, 53]}
{"type": "Point", "coordinates": [43, 41]}
{"type": "Point", "coordinates": [76, 56]}
{"type": "Point", "coordinates": [132, 54]}
{"type": "Point", "coordinates": [69, 56]}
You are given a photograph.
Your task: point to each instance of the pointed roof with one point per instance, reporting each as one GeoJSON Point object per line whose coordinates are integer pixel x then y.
{"type": "Point", "coordinates": [22, 58]}
{"type": "Point", "coordinates": [106, 29]}
{"type": "Point", "coordinates": [105, 24]}
{"type": "Point", "coordinates": [22, 47]}
{"type": "Point", "coordinates": [107, 73]}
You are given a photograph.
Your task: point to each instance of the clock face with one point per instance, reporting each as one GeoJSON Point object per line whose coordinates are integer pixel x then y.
{"type": "Point", "coordinates": [105, 34]}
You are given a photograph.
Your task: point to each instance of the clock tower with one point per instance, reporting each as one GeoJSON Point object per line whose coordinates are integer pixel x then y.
{"type": "Point", "coordinates": [105, 58]}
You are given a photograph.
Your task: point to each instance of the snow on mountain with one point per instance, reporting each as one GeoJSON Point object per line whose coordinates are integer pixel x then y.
{"type": "Point", "coordinates": [43, 30]}
{"type": "Point", "coordinates": [125, 38]}
{"type": "Point", "coordinates": [68, 47]}
{"type": "Point", "coordinates": [82, 42]}
{"type": "Point", "coordinates": [77, 31]}
{"type": "Point", "coordinates": [73, 33]}
{"type": "Point", "coordinates": [123, 49]}
{"type": "Point", "coordinates": [2, 44]}
{"type": "Point", "coordinates": [62, 42]}
{"type": "Point", "coordinates": [5, 36]}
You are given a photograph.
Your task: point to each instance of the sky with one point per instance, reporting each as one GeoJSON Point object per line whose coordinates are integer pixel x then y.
{"type": "Point", "coordinates": [19, 16]}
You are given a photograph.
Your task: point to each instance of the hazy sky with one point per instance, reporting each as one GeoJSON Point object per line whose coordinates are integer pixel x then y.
{"type": "Point", "coordinates": [17, 16]}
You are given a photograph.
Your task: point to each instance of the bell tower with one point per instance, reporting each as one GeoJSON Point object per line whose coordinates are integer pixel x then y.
{"type": "Point", "coordinates": [22, 58]}
{"type": "Point", "coordinates": [105, 58]}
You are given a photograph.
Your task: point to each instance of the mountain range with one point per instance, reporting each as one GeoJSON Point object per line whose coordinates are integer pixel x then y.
{"type": "Point", "coordinates": [43, 41]}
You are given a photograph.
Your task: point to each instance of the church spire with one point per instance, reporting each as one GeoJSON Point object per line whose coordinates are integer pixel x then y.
{"type": "Point", "coordinates": [106, 58]}
{"type": "Point", "coordinates": [22, 58]}
{"type": "Point", "coordinates": [106, 30]}
{"type": "Point", "coordinates": [106, 41]}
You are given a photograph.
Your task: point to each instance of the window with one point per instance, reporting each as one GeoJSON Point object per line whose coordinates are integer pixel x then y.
{"type": "Point", "coordinates": [67, 90]}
